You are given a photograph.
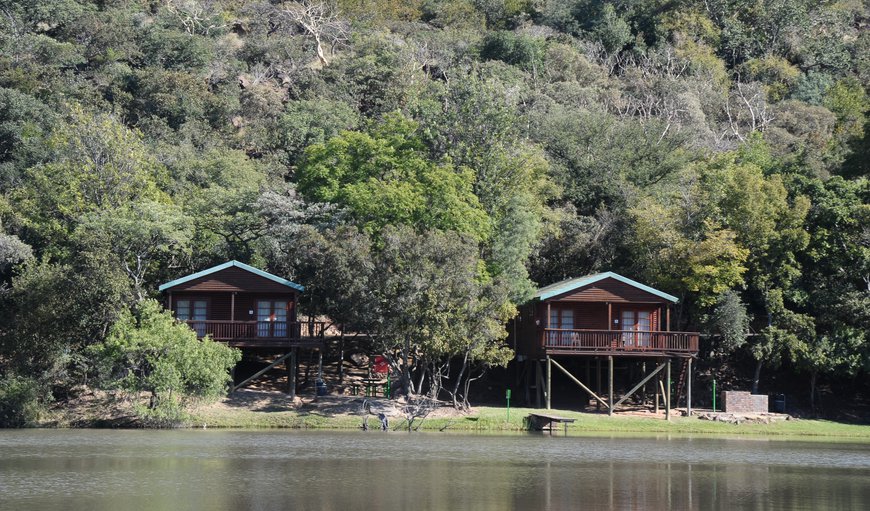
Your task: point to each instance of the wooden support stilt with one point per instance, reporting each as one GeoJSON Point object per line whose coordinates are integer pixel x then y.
{"type": "Point", "coordinates": [341, 356]}
{"type": "Point", "coordinates": [320, 364]}
{"type": "Point", "coordinates": [610, 384]}
{"type": "Point", "coordinates": [641, 384]}
{"type": "Point", "coordinates": [657, 385]}
{"type": "Point", "coordinates": [595, 396]}
{"type": "Point", "coordinates": [261, 372]}
{"type": "Point", "coordinates": [538, 384]}
{"type": "Point", "coordinates": [294, 360]}
{"type": "Point", "coordinates": [549, 380]}
{"type": "Point", "coordinates": [643, 390]}
{"type": "Point", "coordinates": [527, 376]}
{"type": "Point", "coordinates": [588, 369]}
{"type": "Point", "coordinates": [598, 382]}
{"type": "Point", "coordinates": [689, 390]}
{"type": "Point", "coordinates": [668, 391]}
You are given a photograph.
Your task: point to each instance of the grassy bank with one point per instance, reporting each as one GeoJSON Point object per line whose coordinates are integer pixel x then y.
{"type": "Point", "coordinates": [488, 419]}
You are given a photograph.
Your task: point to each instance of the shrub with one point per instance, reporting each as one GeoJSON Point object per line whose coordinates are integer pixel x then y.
{"type": "Point", "coordinates": [21, 401]}
{"type": "Point", "coordinates": [149, 351]}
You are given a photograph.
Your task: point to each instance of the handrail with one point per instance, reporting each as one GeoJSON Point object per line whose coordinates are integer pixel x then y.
{"type": "Point", "coordinates": [225, 330]}
{"type": "Point", "coordinates": [619, 340]}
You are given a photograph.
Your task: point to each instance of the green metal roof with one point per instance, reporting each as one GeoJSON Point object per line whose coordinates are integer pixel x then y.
{"type": "Point", "coordinates": [569, 285]}
{"type": "Point", "coordinates": [229, 264]}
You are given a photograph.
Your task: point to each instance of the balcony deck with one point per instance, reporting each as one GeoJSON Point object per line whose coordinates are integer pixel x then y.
{"type": "Point", "coordinates": [619, 342]}
{"type": "Point", "coordinates": [262, 334]}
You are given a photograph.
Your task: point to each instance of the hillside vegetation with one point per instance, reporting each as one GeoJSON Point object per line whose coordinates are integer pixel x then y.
{"type": "Point", "coordinates": [421, 166]}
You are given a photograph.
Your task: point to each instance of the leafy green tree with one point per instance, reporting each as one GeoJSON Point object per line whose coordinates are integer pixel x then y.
{"type": "Point", "coordinates": [309, 122]}
{"type": "Point", "coordinates": [730, 320]}
{"type": "Point", "coordinates": [22, 401]}
{"type": "Point", "coordinates": [475, 125]}
{"type": "Point", "coordinates": [53, 311]}
{"type": "Point", "coordinates": [601, 160]}
{"type": "Point", "coordinates": [145, 236]}
{"type": "Point", "coordinates": [24, 126]}
{"type": "Point", "coordinates": [519, 50]}
{"type": "Point", "coordinates": [218, 192]}
{"type": "Point", "coordinates": [384, 177]}
{"type": "Point", "coordinates": [96, 164]}
{"type": "Point", "coordinates": [423, 299]}
{"type": "Point", "coordinates": [147, 350]}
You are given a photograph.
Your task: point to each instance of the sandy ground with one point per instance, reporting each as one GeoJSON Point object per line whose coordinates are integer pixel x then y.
{"type": "Point", "coordinates": [274, 401]}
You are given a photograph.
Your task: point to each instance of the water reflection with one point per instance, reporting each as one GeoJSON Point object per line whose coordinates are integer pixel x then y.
{"type": "Point", "coordinates": [229, 470]}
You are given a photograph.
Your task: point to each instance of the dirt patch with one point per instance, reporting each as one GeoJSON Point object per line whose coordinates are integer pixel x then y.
{"type": "Point", "coordinates": [273, 401]}
{"type": "Point", "coordinates": [88, 407]}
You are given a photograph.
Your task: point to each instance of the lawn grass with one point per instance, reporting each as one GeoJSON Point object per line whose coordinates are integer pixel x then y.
{"type": "Point", "coordinates": [491, 419]}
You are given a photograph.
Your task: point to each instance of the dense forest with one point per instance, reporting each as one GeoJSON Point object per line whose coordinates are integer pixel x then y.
{"type": "Point", "coordinates": [422, 166]}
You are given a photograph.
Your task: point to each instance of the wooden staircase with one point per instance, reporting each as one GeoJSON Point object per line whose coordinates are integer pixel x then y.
{"type": "Point", "coordinates": [682, 376]}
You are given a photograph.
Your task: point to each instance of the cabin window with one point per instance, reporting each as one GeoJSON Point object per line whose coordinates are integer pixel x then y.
{"type": "Point", "coordinates": [271, 318]}
{"type": "Point", "coordinates": [562, 319]}
{"type": "Point", "coordinates": [194, 312]}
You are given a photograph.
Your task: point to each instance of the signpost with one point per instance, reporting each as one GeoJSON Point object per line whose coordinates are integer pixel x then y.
{"type": "Point", "coordinates": [508, 397]}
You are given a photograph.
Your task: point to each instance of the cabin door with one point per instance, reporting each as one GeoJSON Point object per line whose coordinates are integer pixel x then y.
{"type": "Point", "coordinates": [636, 325]}
{"type": "Point", "coordinates": [271, 318]}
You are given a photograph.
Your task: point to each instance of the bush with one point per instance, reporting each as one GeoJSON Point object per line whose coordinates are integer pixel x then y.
{"type": "Point", "coordinates": [149, 351]}
{"type": "Point", "coordinates": [21, 401]}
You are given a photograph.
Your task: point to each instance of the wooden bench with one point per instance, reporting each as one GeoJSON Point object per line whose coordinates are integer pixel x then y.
{"type": "Point", "coordinates": [540, 422]}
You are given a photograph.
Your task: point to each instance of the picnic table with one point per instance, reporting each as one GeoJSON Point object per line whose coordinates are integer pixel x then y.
{"type": "Point", "coordinates": [540, 422]}
{"type": "Point", "coordinates": [371, 385]}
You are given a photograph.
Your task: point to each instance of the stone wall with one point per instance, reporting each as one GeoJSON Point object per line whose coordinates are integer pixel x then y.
{"type": "Point", "coordinates": [734, 401]}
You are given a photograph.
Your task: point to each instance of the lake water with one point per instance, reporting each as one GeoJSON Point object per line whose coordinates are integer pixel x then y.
{"type": "Point", "coordinates": [234, 470]}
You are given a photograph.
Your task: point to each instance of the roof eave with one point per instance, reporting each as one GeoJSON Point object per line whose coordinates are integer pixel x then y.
{"type": "Point", "coordinates": [601, 276]}
{"type": "Point", "coordinates": [224, 266]}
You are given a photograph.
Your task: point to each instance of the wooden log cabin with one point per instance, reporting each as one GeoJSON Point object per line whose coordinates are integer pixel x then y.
{"type": "Point", "coordinates": [247, 308]}
{"type": "Point", "coordinates": [602, 317]}
{"type": "Point", "coordinates": [240, 305]}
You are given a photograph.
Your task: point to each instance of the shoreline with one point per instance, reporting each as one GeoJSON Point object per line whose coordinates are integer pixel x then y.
{"type": "Point", "coordinates": [493, 420]}
{"type": "Point", "coordinates": [268, 410]}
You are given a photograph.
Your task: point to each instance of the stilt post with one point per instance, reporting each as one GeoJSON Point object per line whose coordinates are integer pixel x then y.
{"type": "Point", "coordinates": [341, 357]}
{"type": "Point", "coordinates": [549, 380]}
{"type": "Point", "coordinates": [689, 389]}
{"type": "Point", "coordinates": [610, 385]}
{"type": "Point", "coordinates": [538, 384]}
{"type": "Point", "coordinates": [668, 391]}
{"type": "Point", "coordinates": [320, 364]}
{"type": "Point", "coordinates": [598, 381]}
{"type": "Point", "coordinates": [643, 390]}
{"type": "Point", "coordinates": [292, 373]}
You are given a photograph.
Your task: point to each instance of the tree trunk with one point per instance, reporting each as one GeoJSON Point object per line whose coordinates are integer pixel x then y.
{"type": "Point", "coordinates": [813, 378]}
{"type": "Point", "coordinates": [757, 376]}
{"type": "Point", "coordinates": [459, 380]}
{"type": "Point", "coordinates": [320, 53]}
{"type": "Point", "coordinates": [406, 371]}
{"type": "Point", "coordinates": [423, 368]}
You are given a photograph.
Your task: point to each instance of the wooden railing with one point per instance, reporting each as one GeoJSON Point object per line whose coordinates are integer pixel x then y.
{"type": "Point", "coordinates": [619, 340]}
{"type": "Point", "coordinates": [257, 330]}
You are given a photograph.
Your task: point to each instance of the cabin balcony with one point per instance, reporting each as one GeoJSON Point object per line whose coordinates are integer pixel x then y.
{"type": "Point", "coordinates": [261, 333]}
{"type": "Point", "coordinates": [622, 342]}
